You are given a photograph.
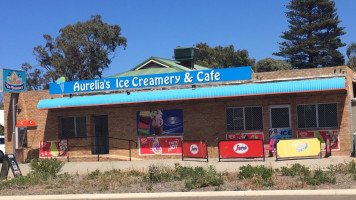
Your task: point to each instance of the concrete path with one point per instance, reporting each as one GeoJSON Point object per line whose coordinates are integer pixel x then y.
{"type": "Point", "coordinates": [229, 166]}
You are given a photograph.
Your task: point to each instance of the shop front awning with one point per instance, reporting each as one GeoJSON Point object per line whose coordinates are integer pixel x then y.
{"type": "Point", "coordinates": [300, 86]}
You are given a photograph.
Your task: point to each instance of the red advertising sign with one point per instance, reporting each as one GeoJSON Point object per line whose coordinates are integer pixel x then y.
{"type": "Point", "coordinates": [170, 145]}
{"type": "Point", "coordinates": [242, 136]}
{"type": "Point", "coordinates": [321, 134]}
{"type": "Point", "coordinates": [49, 149]}
{"type": "Point", "coordinates": [241, 149]}
{"type": "Point", "coordinates": [194, 149]}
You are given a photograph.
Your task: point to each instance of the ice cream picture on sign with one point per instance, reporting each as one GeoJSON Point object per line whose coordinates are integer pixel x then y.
{"type": "Point", "coordinates": [60, 82]}
{"type": "Point", "coordinates": [157, 121]}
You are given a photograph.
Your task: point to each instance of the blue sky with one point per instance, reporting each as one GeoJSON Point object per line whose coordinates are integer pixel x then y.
{"type": "Point", "coordinates": [155, 27]}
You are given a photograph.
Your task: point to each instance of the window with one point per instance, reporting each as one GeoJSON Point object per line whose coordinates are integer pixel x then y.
{"type": "Point", "coordinates": [73, 127]}
{"type": "Point", "coordinates": [317, 115]}
{"type": "Point", "coordinates": [244, 118]}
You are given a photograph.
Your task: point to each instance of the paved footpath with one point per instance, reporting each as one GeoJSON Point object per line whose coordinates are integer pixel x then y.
{"type": "Point", "coordinates": [229, 166]}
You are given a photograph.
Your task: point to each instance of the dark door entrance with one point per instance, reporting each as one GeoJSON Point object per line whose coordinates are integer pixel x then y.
{"type": "Point", "coordinates": [101, 142]}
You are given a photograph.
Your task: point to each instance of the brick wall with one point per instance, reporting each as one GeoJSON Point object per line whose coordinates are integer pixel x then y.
{"type": "Point", "coordinates": [203, 119]}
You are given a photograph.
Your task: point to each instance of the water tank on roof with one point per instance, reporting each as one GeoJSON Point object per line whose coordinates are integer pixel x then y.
{"type": "Point", "coordinates": [186, 53]}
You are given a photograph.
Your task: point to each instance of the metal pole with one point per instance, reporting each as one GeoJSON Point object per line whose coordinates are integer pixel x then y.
{"type": "Point", "coordinates": [13, 123]}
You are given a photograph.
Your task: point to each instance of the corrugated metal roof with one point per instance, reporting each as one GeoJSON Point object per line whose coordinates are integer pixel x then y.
{"type": "Point", "coordinates": [197, 93]}
{"type": "Point", "coordinates": [173, 66]}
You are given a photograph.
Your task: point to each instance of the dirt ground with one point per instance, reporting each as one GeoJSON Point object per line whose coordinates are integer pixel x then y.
{"type": "Point", "coordinates": [124, 183]}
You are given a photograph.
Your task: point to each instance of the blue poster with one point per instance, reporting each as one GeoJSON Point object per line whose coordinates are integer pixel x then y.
{"type": "Point", "coordinates": [14, 81]}
{"type": "Point", "coordinates": [159, 122]}
{"type": "Point", "coordinates": [280, 133]}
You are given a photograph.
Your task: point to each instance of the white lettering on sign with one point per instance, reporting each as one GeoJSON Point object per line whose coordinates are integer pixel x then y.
{"type": "Point", "coordinates": [173, 145]}
{"type": "Point", "coordinates": [212, 76]}
{"type": "Point", "coordinates": [97, 85]}
{"type": "Point", "coordinates": [240, 148]}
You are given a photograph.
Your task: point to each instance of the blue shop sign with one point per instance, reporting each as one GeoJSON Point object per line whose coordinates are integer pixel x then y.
{"type": "Point", "coordinates": [14, 81]}
{"type": "Point", "coordinates": [155, 80]}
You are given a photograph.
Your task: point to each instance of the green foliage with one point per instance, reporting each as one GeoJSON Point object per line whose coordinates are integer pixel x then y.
{"type": "Point", "coordinates": [320, 177]}
{"type": "Point", "coordinates": [194, 177]}
{"type": "Point", "coordinates": [260, 175]}
{"type": "Point", "coordinates": [349, 168]}
{"type": "Point", "coordinates": [81, 51]}
{"type": "Point", "coordinates": [203, 178]}
{"type": "Point", "coordinates": [296, 170]}
{"type": "Point", "coordinates": [94, 174]}
{"type": "Point", "coordinates": [270, 64]}
{"type": "Point", "coordinates": [315, 177]}
{"type": "Point", "coordinates": [351, 55]}
{"type": "Point", "coordinates": [50, 166]}
{"type": "Point", "coordinates": [223, 57]}
{"type": "Point", "coordinates": [313, 36]}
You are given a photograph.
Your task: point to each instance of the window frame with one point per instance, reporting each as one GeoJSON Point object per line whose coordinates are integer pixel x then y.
{"type": "Point", "coordinates": [244, 118]}
{"type": "Point", "coordinates": [75, 126]}
{"type": "Point", "coordinates": [317, 115]}
{"type": "Point", "coordinates": [270, 107]}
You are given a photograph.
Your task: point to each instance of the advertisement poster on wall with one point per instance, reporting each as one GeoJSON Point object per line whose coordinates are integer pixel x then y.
{"type": "Point", "coordinates": [50, 149]}
{"type": "Point", "coordinates": [321, 134]}
{"type": "Point", "coordinates": [280, 133]}
{"type": "Point", "coordinates": [169, 145]}
{"type": "Point", "coordinates": [159, 122]}
{"type": "Point", "coordinates": [239, 136]}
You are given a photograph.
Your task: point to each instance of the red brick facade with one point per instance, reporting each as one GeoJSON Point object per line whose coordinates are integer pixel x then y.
{"type": "Point", "coordinates": [203, 119]}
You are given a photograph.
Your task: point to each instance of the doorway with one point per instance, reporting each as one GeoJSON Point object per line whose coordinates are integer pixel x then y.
{"type": "Point", "coordinates": [280, 121]}
{"type": "Point", "coordinates": [101, 140]}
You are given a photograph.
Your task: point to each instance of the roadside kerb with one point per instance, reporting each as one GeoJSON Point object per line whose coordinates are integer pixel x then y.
{"type": "Point", "coordinates": [185, 194]}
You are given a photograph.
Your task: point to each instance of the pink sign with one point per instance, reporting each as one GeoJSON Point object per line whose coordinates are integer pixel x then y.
{"type": "Point", "coordinates": [49, 149]}
{"type": "Point", "coordinates": [170, 145]}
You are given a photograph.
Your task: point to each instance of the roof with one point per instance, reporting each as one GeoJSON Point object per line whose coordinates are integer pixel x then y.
{"type": "Point", "coordinates": [155, 65]}
{"type": "Point", "coordinates": [197, 93]}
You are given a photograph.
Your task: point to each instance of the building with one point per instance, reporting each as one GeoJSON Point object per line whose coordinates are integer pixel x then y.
{"type": "Point", "coordinates": [282, 104]}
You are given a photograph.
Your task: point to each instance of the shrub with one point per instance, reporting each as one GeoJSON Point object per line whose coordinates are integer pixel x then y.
{"type": "Point", "coordinates": [94, 174]}
{"type": "Point", "coordinates": [203, 178]}
{"type": "Point", "coordinates": [320, 177]}
{"type": "Point", "coordinates": [260, 175]}
{"type": "Point", "coordinates": [296, 170]}
{"type": "Point", "coordinates": [48, 166]}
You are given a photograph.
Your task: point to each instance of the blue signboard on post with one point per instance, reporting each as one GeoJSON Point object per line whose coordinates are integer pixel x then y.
{"type": "Point", "coordinates": [13, 81]}
{"type": "Point", "coordinates": [155, 80]}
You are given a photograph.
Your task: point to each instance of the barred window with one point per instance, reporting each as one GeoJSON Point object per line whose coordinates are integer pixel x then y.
{"type": "Point", "coordinates": [317, 115]}
{"type": "Point", "coordinates": [73, 127]}
{"type": "Point", "coordinates": [244, 118]}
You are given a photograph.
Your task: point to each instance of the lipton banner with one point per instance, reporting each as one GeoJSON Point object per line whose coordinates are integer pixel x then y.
{"type": "Point", "coordinates": [303, 147]}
